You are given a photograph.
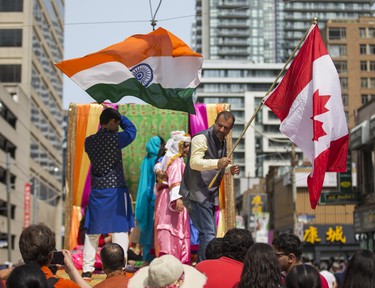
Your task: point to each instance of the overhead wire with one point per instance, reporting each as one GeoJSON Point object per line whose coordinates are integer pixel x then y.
{"type": "Point", "coordinates": [153, 16]}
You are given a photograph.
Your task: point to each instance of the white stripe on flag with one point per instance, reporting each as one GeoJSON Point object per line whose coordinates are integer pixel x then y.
{"type": "Point", "coordinates": [106, 73]}
{"type": "Point", "coordinates": [167, 72]}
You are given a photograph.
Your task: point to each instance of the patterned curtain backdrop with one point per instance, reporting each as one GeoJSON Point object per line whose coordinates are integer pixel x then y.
{"type": "Point", "coordinates": [83, 120]}
{"type": "Point", "coordinates": [150, 121]}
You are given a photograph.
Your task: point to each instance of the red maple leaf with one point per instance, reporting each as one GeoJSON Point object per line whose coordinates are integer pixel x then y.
{"type": "Point", "coordinates": [319, 102]}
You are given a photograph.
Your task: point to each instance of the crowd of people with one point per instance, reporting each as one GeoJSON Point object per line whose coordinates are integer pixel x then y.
{"type": "Point", "coordinates": [232, 261]}
{"type": "Point", "coordinates": [173, 199]}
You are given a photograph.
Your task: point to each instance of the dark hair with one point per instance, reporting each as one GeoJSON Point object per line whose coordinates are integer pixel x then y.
{"type": "Point", "coordinates": [161, 151]}
{"type": "Point", "coordinates": [236, 242]}
{"type": "Point", "coordinates": [108, 114]}
{"type": "Point", "coordinates": [112, 256]}
{"type": "Point", "coordinates": [289, 243]}
{"type": "Point", "coordinates": [36, 244]}
{"type": "Point", "coordinates": [26, 276]}
{"type": "Point", "coordinates": [261, 268]}
{"type": "Point", "coordinates": [214, 248]}
{"type": "Point", "coordinates": [360, 271]}
{"type": "Point", "coordinates": [303, 276]}
{"type": "Point", "coordinates": [227, 115]}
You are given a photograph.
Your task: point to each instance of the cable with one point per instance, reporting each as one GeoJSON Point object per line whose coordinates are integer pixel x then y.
{"type": "Point", "coordinates": [270, 138]}
{"type": "Point", "coordinates": [152, 17]}
{"type": "Point", "coordinates": [153, 21]}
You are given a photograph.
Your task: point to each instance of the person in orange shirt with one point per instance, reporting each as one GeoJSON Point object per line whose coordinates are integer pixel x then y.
{"type": "Point", "coordinates": [113, 260]}
{"type": "Point", "coordinates": [36, 244]}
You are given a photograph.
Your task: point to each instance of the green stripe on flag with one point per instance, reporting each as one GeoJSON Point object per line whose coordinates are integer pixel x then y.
{"type": "Point", "coordinates": [179, 99]}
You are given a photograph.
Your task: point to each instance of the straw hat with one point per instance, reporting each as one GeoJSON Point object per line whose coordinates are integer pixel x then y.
{"type": "Point", "coordinates": [164, 271]}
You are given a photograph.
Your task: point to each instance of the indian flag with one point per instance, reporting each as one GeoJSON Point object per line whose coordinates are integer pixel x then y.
{"type": "Point", "coordinates": [158, 68]}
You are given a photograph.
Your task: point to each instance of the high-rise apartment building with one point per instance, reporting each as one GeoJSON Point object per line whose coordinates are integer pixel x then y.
{"type": "Point", "coordinates": [263, 31]}
{"type": "Point", "coordinates": [351, 44]}
{"type": "Point", "coordinates": [31, 40]}
{"type": "Point", "coordinates": [236, 30]}
{"type": "Point", "coordinates": [298, 15]}
{"type": "Point", "coordinates": [252, 31]}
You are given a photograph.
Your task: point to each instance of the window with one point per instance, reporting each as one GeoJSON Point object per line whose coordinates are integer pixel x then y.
{"type": "Point", "coordinates": [345, 99]}
{"type": "Point", "coordinates": [372, 49]}
{"type": "Point", "coordinates": [7, 146]}
{"type": "Point", "coordinates": [341, 66]}
{"type": "Point", "coordinates": [11, 5]}
{"type": "Point", "coordinates": [364, 83]}
{"type": "Point", "coordinates": [371, 32]}
{"type": "Point", "coordinates": [3, 208]}
{"type": "Point", "coordinates": [364, 99]}
{"type": "Point", "coordinates": [337, 33]}
{"type": "Point", "coordinates": [372, 65]}
{"type": "Point", "coordinates": [7, 115]}
{"type": "Point", "coordinates": [362, 32]}
{"type": "Point", "coordinates": [362, 49]}
{"type": "Point", "coordinates": [10, 73]}
{"type": "Point", "coordinates": [337, 50]}
{"type": "Point", "coordinates": [344, 83]}
{"type": "Point", "coordinates": [10, 37]}
{"type": "Point", "coordinates": [372, 82]}
{"type": "Point", "coordinates": [363, 65]}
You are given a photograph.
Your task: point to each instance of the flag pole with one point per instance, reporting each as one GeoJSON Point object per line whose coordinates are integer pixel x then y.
{"type": "Point", "coordinates": [314, 22]}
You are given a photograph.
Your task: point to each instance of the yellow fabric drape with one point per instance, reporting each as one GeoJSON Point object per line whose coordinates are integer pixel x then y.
{"type": "Point", "coordinates": [74, 227]}
{"type": "Point", "coordinates": [81, 124]}
{"type": "Point", "coordinates": [92, 127]}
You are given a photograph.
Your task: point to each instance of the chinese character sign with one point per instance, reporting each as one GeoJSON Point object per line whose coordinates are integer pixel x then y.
{"type": "Point", "coordinates": [336, 235]}
{"type": "Point", "coordinates": [333, 235]}
{"type": "Point", "coordinates": [311, 235]}
{"type": "Point", "coordinates": [258, 203]}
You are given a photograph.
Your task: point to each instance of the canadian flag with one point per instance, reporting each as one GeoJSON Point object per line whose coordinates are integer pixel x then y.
{"type": "Point", "coordinates": [308, 102]}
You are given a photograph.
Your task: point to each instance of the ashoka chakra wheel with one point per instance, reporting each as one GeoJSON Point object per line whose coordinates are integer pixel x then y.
{"type": "Point", "coordinates": [143, 73]}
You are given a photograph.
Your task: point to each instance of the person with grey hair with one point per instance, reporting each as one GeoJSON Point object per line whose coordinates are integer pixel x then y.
{"type": "Point", "coordinates": [331, 280]}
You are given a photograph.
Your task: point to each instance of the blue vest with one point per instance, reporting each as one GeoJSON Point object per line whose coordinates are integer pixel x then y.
{"type": "Point", "coordinates": [195, 183]}
{"type": "Point", "coordinates": [106, 159]}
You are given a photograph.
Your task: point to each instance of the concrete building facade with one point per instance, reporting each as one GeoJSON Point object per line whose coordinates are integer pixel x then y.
{"type": "Point", "coordinates": [326, 231]}
{"type": "Point", "coordinates": [31, 40]}
{"type": "Point", "coordinates": [363, 144]}
{"type": "Point", "coordinates": [263, 31]}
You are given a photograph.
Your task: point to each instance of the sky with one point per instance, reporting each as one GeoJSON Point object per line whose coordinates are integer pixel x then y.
{"type": "Point", "coordinates": [91, 25]}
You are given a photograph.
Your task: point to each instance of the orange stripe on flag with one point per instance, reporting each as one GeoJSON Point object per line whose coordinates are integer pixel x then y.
{"type": "Point", "coordinates": [131, 51]}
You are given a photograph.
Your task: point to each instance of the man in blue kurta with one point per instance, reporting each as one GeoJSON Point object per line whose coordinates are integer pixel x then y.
{"type": "Point", "coordinates": [109, 209]}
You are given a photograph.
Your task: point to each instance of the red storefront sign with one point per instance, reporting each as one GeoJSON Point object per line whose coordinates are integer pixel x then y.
{"type": "Point", "coordinates": [26, 218]}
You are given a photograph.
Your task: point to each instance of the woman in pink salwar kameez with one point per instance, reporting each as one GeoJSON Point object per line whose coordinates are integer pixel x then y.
{"type": "Point", "coordinates": [172, 226]}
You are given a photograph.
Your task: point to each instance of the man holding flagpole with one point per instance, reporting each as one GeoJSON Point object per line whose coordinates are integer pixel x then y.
{"type": "Point", "coordinates": [208, 153]}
